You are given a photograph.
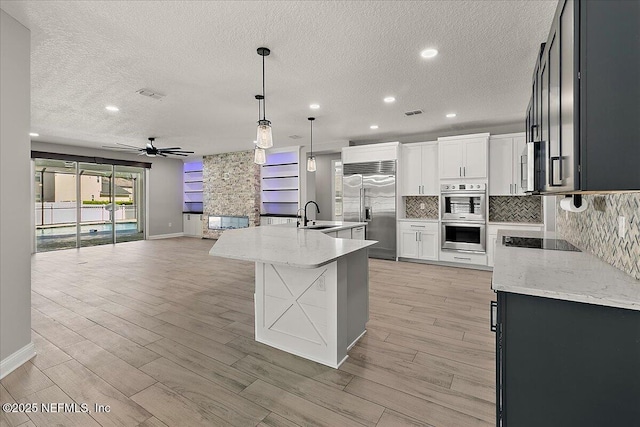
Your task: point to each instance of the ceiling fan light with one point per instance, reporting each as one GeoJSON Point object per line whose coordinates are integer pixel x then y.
{"type": "Point", "coordinates": [260, 156]}
{"type": "Point", "coordinates": [311, 164]}
{"type": "Point", "coordinates": [264, 138]}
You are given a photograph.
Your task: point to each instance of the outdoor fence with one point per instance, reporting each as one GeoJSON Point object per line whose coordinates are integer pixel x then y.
{"type": "Point", "coordinates": [52, 213]}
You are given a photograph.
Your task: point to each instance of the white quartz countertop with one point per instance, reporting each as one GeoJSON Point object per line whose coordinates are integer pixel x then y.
{"type": "Point", "coordinates": [287, 245]}
{"type": "Point", "coordinates": [335, 225]}
{"type": "Point", "coordinates": [564, 275]}
{"type": "Point", "coordinates": [515, 224]}
{"type": "Point", "coordinates": [418, 219]}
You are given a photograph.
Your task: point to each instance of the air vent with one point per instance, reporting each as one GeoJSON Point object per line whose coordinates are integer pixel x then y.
{"type": "Point", "coordinates": [295, 136]}
{"type": "Point", "coordinates": [149, 93]}
{"type": "Point", "coordinates": [412, 112]}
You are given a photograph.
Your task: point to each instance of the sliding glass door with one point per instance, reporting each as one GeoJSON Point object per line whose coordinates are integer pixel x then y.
{"type": "Point", "coordinates": [129, 216]}
{"type": "Point", "coordinates": [79, 204]}
{"type": "Point", "coordinates": [56, 205]}
{"type": "Point", "coordinates": [96, 206]}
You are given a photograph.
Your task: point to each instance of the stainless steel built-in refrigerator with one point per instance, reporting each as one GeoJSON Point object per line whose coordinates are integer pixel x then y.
{"type": "Point", "coordinates": [369, 195]}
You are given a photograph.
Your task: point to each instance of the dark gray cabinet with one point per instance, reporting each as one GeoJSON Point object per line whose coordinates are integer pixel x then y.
{"type": "Point", "coordinates": [585, 100]}
{"type": "Point", "coordinates": [562, 363]}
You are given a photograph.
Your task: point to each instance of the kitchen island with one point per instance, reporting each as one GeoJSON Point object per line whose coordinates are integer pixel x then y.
{"type": "Point", "coordinates": [568, 338]}
{"type": "Point", "coordinates": [311, 290]}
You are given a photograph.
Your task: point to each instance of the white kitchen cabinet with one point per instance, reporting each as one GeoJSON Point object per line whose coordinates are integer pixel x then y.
{"type": "Point", "coordinates": [492, 236]}
{"type": "Point", "coordinates": [357, 233]}
{"type": "Point", "coordinates": [273, 220]}
{"type": "Point", "coordinates": [192, 225]}
{"type": "Point", "coordinates": [420, 169]}
{"type": "Point", "coordinates": [463, 157]}
{"type": "Point", "coordinates": [419, 240]}
{"type": "Point", "coordinates": [505, 167]}
{"type": "Point", "coordinates": [344, 234]}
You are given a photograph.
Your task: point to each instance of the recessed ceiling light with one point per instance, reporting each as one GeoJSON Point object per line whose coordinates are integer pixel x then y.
{"type": "Point", "coordinates": [451, 115]}
{"type": "Point", "coordinates": [112, 108]}
{"type": "Point", "coordinates": [373, 127]}
{"type": "Point", "coordinates": [314, 106]}
{"type": "Point", "coordinates": [389, 99]}
{"type": "Point", "coordinates": [34, 134]}
{"type": "Point", "coordinates": [429, 53]}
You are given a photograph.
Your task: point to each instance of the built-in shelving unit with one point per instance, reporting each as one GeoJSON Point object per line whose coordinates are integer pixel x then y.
{"type": "Point", "coordinates": [192, 187]}
{"type": "Point", "coordinates": [281, 182]}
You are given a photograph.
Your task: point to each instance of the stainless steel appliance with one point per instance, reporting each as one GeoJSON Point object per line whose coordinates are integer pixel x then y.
{"type": "Point", "coordinates": [369, 195]}
{"type": "Point", "coordinates": [464, 236]}
{"type": "Point", "coordinates": [465, 202]}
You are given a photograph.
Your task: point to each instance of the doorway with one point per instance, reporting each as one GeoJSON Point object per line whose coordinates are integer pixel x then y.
{"type": "Point", "coordinates": [80, 204]}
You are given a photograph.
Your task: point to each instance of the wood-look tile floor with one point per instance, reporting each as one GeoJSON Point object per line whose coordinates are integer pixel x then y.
{"type": "Point", "coordinates": [163, 333]}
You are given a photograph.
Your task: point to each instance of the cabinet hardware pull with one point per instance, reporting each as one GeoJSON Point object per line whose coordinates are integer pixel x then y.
{"type": "Point", "coordinates": [419, 237]}
{"type": "Point", "coordinates": [419, 226]}
{"type": "Point", "coordinates": [494, 315]}
{"type": "Point", "coordinates": [460, 171]}
{"type": "Point", "coordinates": [464, 170]}
{"type": "Point", "coordinates": [459, 257]}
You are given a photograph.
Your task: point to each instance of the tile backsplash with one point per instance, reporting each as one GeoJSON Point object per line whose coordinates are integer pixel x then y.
{"type": "Point", "coordinates": [596, 229]}
{"type": "Point", "coordinates": [430, 211]}
{"type": "Point", "coordinates": [526, 209]}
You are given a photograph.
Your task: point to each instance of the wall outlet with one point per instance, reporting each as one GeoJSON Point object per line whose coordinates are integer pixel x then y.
{"type": "Point", "coordinates": [622, 226]}
{"type": "Point", "coordinates": [422, 206]}
{"type": "Point", "coordinates": [170, 224]}
{"type": "Point", "coordinates": [321, 285]}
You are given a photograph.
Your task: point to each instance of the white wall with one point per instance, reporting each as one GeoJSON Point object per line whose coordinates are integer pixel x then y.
{"type": "Point", "coordinates": [324, 192]}
{"type": "Point", "coordinates": [15, 194]}
{"type": "Point", "coordinates": [165, 184]}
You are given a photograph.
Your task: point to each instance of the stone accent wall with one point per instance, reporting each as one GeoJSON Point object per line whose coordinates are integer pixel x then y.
{"type": "Point", "coordinates": [431, 209]}
{"type": "Point", "coordinates": [596, 229]}
{"type": "Point", "coordinates": [516, 209]}
{"type": "Point", "coordinates": [231, 186]}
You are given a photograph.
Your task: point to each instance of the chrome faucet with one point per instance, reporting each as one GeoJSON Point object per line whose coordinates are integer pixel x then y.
{"type": "Point", "coordinates": [298, 217]}
{"type": "Point", "coordinates": [306, 220]}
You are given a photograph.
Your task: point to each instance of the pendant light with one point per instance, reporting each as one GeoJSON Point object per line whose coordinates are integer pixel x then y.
{"type": "Point", "coordinates": [260, 156]}
{"type": "Point", "coordinates": [311, 161]}
{"type": "Point", "coordinates": [265, 138]}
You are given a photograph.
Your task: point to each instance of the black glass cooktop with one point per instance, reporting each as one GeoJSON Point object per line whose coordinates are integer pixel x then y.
{"type": "Point", "coordinates": [538, 243]}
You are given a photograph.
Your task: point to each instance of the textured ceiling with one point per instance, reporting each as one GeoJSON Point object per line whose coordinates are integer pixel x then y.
{"type": "Point", "coordinates": [345, 56]}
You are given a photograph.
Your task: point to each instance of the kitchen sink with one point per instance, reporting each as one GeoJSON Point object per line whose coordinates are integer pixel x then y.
{"type": "Point", "coordinates": [319, 227]}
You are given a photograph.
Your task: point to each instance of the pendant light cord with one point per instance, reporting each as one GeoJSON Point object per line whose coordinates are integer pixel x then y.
{"type": "Point", "coordinates": [264, 99]}
{"type": "Point", "coordinates": [311, 138]}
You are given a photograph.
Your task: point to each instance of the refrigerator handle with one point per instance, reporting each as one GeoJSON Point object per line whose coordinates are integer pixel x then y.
{"type": "Point", "coordinates": [361, 210]}
{"type": "Point", "coordinates": [367, 213]}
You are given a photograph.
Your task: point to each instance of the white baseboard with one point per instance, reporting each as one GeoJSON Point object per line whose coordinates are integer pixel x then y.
{"type": "Point", "coordinates": [16, 360]}
{"type": "Point", "coordinates": [165, 236]}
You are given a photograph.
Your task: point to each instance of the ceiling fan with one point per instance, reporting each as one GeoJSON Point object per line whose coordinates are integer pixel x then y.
{"type": "Point", "coordinates": [150, 150]}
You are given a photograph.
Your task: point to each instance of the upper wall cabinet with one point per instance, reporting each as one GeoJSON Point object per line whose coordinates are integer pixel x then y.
{"type": "Point", "coordinates": [370, 153]}
{"type": "Point", "coordinates": [506, 164]}
{"type": "Point", "coordinates": [463, 156]}
{"type": "Point", "coordinates": [420, 169]}
{"type": "Point", "coordinates": [585, 100]}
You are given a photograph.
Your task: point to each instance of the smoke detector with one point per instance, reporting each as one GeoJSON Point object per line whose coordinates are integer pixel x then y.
{"type": "Point", "coordinates": [413, 112]}
{"type": "Point", "coordinates": [149, 93]}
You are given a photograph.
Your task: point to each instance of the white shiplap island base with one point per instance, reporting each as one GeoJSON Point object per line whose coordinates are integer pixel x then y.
{"type": "Point", "coordinates": [311, 291]}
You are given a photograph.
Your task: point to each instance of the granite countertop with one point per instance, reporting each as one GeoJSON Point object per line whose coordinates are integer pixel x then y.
{"type": "Point", "coordinates": [419, 219]}
{"type": "Point", "coordinates": [287, 245]}
{"type": "Point", "coordinates": [570, 276]}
